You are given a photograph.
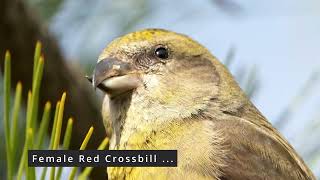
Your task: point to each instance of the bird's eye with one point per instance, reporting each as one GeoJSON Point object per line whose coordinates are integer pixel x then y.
{"type": "Point", "coordinates": [161, 53]}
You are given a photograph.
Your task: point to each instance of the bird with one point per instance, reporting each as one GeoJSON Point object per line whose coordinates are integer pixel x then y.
{"type": "Point", "coordinates": [164, 90]}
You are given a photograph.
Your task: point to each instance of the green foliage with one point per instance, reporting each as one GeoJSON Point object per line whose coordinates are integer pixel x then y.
{"type": "Point", "coordinates": [83, 146]}
{"type": "Point", "coordinates": [7, 77]}
{"type": "Point", "coordinates": [88, 170]}
{"type": "Point", "coordinates": [21, 170]}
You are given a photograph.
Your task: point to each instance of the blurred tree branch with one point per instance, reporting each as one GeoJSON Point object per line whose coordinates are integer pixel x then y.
{"type": "Point", "coordinates": [247, 77]}
{"type": "Point", "coordinates": [46, 8]}
{"type": "Point", "coordinates": [19, 31]}
{"type": "Point", "coordinates": [229, 6]}
{"type": "Point", "coordinates": [298, 100]}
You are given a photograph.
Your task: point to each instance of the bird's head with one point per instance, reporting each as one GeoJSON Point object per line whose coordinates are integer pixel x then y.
{"type": "Point", "coordinates": [168, 75]}
{"type": "Point", "coordinates": [157, 62]}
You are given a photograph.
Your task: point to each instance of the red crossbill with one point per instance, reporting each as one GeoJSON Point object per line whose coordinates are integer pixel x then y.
{"type": "Point", "coordinates": [166, 91]}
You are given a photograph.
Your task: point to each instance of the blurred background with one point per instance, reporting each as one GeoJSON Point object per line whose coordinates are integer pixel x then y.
{"type": "Point", "coordinates": [271, 47]}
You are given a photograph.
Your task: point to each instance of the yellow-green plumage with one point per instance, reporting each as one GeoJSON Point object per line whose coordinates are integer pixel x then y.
{"type": "Point", "coordinates": [190, 102]}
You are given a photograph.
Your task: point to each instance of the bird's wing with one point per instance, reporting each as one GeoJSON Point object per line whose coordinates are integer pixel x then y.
{"type": "Point", "coordinates": [258, 151]}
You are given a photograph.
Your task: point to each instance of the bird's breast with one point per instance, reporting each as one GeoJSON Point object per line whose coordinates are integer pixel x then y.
{"type": "Point", "coordinates": [194, 140]}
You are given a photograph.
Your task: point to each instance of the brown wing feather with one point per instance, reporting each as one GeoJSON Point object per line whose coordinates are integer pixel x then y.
{"type": "Point", "coordinates": [259, 152]}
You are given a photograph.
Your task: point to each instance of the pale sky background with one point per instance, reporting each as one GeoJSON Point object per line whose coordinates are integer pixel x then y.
{"type": "Point", "coordinates": [282, 38]}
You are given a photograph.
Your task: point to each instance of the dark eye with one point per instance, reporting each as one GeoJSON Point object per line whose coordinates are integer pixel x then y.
{"type": "Point", "coordinates": [161, 53]}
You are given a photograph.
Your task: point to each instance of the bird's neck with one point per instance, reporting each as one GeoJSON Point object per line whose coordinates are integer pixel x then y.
{"type": "Point", "coordinates": [133, 114]}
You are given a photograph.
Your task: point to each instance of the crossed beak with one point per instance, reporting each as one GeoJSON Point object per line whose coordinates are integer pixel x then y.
{"type": "Point", "coordinates": [114, 77]}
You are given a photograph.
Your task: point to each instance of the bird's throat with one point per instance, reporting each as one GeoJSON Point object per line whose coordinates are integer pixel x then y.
{"type": "Point", "coordinates": [118, 112]}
